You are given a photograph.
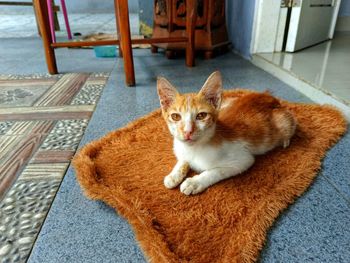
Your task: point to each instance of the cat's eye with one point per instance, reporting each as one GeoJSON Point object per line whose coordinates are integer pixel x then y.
{"type": "Point", "coordinates": [175, 116]}
{"type": "Point", "coordinates": [201, 116]}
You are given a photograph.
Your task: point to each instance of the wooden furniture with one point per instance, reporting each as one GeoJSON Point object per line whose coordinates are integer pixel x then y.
{"type": "Point", "coordinates": [124, 41]}
{"type": "Point", "coordinates": [210, 28]}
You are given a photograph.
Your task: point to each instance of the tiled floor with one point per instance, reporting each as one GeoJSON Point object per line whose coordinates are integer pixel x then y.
{"type": "Point", "coordinates": [314, 229]}
{"type": "Point", "coordinates": [42, 120]}
{"type": "Point", "coordinates": [24, 25]}
{"type": "Point", "coordinates": [326, 65]}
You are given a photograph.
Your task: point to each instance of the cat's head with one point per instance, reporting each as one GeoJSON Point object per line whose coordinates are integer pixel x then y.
{"type": "Point", "coordinates": [191, 117]}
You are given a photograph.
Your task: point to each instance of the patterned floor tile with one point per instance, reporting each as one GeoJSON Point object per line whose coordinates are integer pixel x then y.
{"type": "Point", "coordinates": [62, 92]}
{"type": "Point", "coordinates": [89, 94]}
{"type": "Point", "coordinates": [5, 126]}
{"type": "Point", "coordinates": [7, 144]}
{"type": "Point", "coordinates": [47, 112]}
{"type": "Point", "coordinates": [52, 156]}
{"type": "Point", "coordinates": [23, 127]}
{"type": "Point", "coordinates": [21, 90]}
{"type": "Point", "coordinates": [26, 133]}
{"type": "Point", "coordinates": [23, 96]}
{"type": "Point", "coordinates": [65, 135]}
{"type": "Point", "coordinates": [102, 75]}
{"type": "Point", "coordinates": [42, 120]}
{"type": "Point", "coordinates": [46, 171]}
{"type": "Point", "coordinates": [22, 214]}
{"type": "Point", "coordinates": [16, 151]}
{"type": "Point", "coordinates": [35, 76]}
{"type": "Point", "coordinates": [8, 96]}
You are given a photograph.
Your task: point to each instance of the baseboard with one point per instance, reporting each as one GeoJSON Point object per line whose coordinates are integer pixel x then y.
{"type": "Point", "coordinates": [343, 23]}
{"type": "Point", "coordinates": [314, 93]}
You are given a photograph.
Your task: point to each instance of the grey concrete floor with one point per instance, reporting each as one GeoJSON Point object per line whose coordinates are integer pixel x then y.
{"type": "Point", "coordinates": [26, 56]}
{"type": "Point", "coordinates": [314, 229]}
{"type": "Point", "coordinates": [23, 24]}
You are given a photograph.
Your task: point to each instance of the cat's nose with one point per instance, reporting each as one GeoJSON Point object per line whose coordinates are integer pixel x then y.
{"type": "Point", "coordinates": [188, 134]}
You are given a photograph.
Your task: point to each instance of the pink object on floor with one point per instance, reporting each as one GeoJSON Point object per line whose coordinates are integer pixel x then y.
{"type": "Point", "coordinates": [51, 20]}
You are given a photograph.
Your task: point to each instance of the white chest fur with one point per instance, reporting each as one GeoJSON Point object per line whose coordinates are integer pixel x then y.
{"type": "Point", "coordinates": [203, 157]}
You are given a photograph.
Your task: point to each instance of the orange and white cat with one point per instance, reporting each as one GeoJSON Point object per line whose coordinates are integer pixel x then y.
{"type": "Point", "coordinates": [219, 140]}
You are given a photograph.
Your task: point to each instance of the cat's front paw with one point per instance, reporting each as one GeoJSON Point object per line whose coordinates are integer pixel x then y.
{"type": "Point", "coordinates": [172, 180]}
{"type": "Point", "coordinates": [192, 186]}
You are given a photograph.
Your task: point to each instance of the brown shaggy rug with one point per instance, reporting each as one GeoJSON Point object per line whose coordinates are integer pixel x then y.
{"type": "Point", "coordinates": [226, 223]}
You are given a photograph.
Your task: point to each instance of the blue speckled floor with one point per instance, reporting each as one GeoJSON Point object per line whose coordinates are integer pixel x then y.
{"type": "Point", "coordinates": [314, 229]}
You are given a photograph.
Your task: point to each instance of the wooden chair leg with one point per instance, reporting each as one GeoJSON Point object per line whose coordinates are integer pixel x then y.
{"type": "Point", "coordinates": [191, 16]}
{"type": "Point", "coordinates": [118, 29]}
{"type": "Point", "coordinates": [43, 19]}
{"type": "Point", "coordinates": [51, 19]}
{"type": "Point", "coordinates": [125, 40]}
{"type": "Point", "coordinates": [36, 20]}
{"type": "Point", "coordinates": [154, 49]}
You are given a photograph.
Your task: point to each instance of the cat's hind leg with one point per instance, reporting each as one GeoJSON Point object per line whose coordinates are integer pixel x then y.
{"type": "Point", "coordinates": [177, 175]}
{"type": "Point", "coordinates": [286, 124]}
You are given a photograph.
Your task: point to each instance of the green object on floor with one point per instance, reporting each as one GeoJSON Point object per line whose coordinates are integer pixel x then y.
{"type": "Point", "coordinates": [105, 51]}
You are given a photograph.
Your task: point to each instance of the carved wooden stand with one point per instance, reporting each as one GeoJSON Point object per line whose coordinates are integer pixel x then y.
{"type": "Point", "coordinates": [210, 33]}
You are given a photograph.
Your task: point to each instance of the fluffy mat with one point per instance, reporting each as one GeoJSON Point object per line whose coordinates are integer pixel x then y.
{"type": "Point", "coordinates": [226, 223]}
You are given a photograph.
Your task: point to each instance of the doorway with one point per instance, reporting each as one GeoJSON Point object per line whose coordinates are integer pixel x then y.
{"type": "Point", "coordinates": [301, 38]}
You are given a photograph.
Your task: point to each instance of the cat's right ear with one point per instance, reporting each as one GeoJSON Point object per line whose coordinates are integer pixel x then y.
{"type": "Point", "coordinates": [166, 92]}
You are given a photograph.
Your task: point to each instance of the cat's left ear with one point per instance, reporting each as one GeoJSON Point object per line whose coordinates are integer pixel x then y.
{"type": "Point", "coordinates": [212, 89]}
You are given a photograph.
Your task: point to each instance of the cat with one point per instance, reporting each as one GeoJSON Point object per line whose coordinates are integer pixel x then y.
{"type": "Point", "coordinates": [219, 139]}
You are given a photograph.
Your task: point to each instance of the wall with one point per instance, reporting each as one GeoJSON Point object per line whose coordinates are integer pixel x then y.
{"type": "Point", "coordinates": [343, 22]}
{"type": "Point", "coordinates": [240, 18]}
{"type": "Point", "coordinates": [344, 8]}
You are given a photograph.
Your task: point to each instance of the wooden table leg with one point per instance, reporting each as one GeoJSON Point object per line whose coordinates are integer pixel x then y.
{"type": "Point", "coordinates": [43, 19]}
{"type": "Point", "coordinates": [191, 16]}
{"type": "Point", "coordinates": [125, 40]}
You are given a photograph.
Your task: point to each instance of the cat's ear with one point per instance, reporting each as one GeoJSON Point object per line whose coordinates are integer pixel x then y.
{"type": "Point", "coordinates": [212, 89]}
{"type": "Point", "coordinates": [166, 92]}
